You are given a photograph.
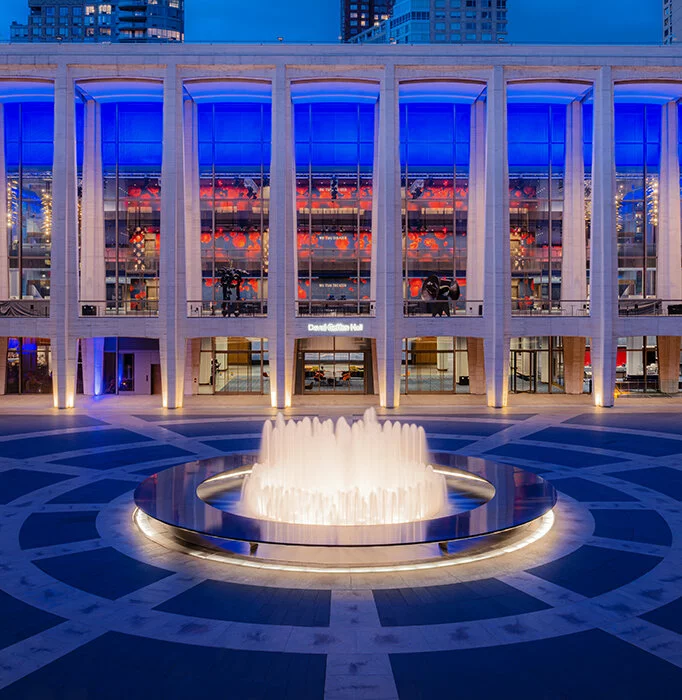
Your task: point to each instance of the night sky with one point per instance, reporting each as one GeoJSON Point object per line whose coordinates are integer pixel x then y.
{"type": "Point", "coordinates": [537, 21]}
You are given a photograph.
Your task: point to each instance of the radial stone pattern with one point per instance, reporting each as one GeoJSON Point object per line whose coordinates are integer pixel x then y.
{"type": "Point", "coordinates": [593, 609]}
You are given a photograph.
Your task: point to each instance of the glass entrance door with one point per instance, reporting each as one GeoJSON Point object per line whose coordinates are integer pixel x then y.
{"type": "Point", "coordinates": [334, 372]}
{"type": "Point", "coordinates": [524, 371]}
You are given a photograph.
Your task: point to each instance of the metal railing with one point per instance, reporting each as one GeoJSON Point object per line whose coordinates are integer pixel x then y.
{"type": "Point", "coordinates": [649, 307]}
{"type": "Point", "coordinates": [25, 308]}
{"type": "Point", "coordinates": [336, 307]}
{"type": "Point", "coordinates": [461, 307]}
{"type": "Point", "coordinates": [543, 307]}
{"type": "Point", "coordinates": [111, 307]}
{"type": "Point", "coordinates": [227, 309]}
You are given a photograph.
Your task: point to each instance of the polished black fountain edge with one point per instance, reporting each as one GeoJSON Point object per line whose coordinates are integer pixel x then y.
{"type": "Point", "coordinates": [171, 497]}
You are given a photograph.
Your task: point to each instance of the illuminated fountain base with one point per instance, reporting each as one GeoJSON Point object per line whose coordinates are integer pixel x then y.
{"type": "Point", "coordinates": [490, 509]}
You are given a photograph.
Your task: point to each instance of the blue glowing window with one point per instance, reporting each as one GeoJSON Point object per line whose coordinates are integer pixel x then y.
{"type": "Point", "coordinates": [29, 131]}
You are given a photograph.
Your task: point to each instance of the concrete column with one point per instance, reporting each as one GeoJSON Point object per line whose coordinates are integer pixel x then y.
{"type": "Point", "coordinates": [92, 356]}
{"type": "Point", "coordinates": [3, 365]}
{"type": "Point", "coordinates": [192, 203]}
{"type": "Point", "coordinates": [669, 242]}
{"type": "Point", "coordinates": [574, 364]}
{"type": "Point", "coordinates": [604, 264]}
{"type": "Point", "coordinates": [668, 364]}
{"type": "Point", "coordinates": [64, 257]}
{"type": "Point", "coordinates": [475, 272]}
{"type": "Point", "coordinates": [497, 283]}
{"type": "Point", "coordinates": [192, 366]}
{"type": "Point", "coordinates": [574, 255]}
{"type": "Point", "coordinates": [388, 243]}
{"type": "Point", "coordinates": [4, 228]}
{"type": "Point", "coordinates": [173, 301]}
{"type": "Point", "coordinates": [92, 267]}
{"type": "Point", "coordinates": [281, 275]}
{"type": "Point", "coordinates": [476, 358]}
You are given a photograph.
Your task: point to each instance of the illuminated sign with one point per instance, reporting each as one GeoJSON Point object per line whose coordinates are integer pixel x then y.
{"type": "Point", "coordinates": [336, 327]}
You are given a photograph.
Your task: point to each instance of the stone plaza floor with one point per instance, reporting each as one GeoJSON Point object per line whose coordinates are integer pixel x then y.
{"type": "Point", "coordinates": [89, 608]}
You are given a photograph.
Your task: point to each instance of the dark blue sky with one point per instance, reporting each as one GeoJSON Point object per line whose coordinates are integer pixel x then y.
{"type": "Point", "coordinates": [537, 21]}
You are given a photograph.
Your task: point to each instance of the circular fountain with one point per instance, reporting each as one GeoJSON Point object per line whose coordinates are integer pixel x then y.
{"type": "Point", "coordinates": [361, 496]}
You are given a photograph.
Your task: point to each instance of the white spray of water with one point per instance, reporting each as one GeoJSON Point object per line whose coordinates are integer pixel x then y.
{"type": "Point", "coordinates": [318, 473]}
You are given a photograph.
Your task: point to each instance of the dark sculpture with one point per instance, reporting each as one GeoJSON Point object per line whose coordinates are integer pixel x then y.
{"type": "Point", "coordinates": [231, 280]}
{"type": "Point", "coordinates": [438, 293]}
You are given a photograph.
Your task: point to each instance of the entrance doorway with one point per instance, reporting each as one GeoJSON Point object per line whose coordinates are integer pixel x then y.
{"type": "Point", "coordinates": [536, 366]}
{"type": "Point", "coordinates": [336, 365]}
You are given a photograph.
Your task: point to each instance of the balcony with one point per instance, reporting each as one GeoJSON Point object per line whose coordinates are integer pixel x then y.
{"type": "Point", "coordinates": [112, 308]}
{"type": "Point", "coordinates": [336, 307]}
{"type": "Point", "coordinates": [251, 308]}
{"type": "Point", "coordinates": [524, 306]}
{"type": "Point", "coordinates": [649, 307]}
{"type": "Point", "coordinates": [435, 309]}
{"type": "Point", "coordinates": [25, 308]}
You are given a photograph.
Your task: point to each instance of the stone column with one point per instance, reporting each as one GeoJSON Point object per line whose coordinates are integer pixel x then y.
{"type": "Point", "coordinates": [281, 274]}
{"type": "Point", "coordinates": [173, 301]}
{"type": "Point", "coordinates": [475, 273]}
{"type": "Point", "coordinates": [64, 255]}
{"type": "Point", "coordinates": [92, 356]}
{"type": "Point", "coordinates": [3, 365]}
{"type": "Point", "coordinates": [4, 228]}
{"type": "Point", "coordinates": [92, 267]}
{"type": "Point", "coordinates": [497, 283]}
{"type": "Point", "coordinates": [389, 243]}
{"type": "Point", "coordinates": [192, 366]}
{"type": "Point", "coordinates": [192, 204]}
{"type": "Point", "coordinates": [604, 264]}
{"type": "Point", "coordinates": [669, 253]}
{"type": "Point", "coordinates": [574, 253]}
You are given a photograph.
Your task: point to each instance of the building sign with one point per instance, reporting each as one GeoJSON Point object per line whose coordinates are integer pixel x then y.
{"type": "Point", "coordinates": [336, 327]}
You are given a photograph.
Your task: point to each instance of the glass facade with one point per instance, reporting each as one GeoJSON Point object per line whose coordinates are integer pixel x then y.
{"type": "Point", "coordinates": [234, 366]}
{"type": "Point", "coordinates": [434, 161]}
{"type": "Point", "coordinates": [435, 365]}
{"type": "Point", "coordinates": [131, 162]}
{"type": "Point", "coordinates": [638, 155]}
{"type": "Point", "coordinates": [334, 191]}
{"type": "Point", "coordinates": [29, 138]}
{"type": "Point", "coordinates": [234, 163]}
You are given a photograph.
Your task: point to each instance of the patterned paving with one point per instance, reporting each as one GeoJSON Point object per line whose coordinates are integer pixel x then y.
{"type": "Point", "coordinates": [91, 609]}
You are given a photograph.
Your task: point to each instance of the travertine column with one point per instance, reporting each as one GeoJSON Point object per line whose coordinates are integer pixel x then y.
{"type": "Point", "coordinates": [173, 301]}
{"type": "Point", "coordinates": [92, 267]}
{"type": "Point", "coordinates": [669, 243]}
{"type": "Point", "coordinates": [192, 203]}
{"type": "Point", "coordinates": [64, 257]}
{"type": "Point", "coordinates": [281, 280]}
{"type": "Point", "coordinates": [603, 267]}
{"type": "Point", "coordinates": [574, 249]}
{"type": "Point", "coordinates": [3, 365]}
{"type": "Point", "coordinates": [92, 356]}
{"type": "Point", "coordinates": [497, 284]}
{"type": "Point", "coordinates": [192, 366]}
{"type": "Point", "coordinates": [476, 243]}
{"type": "Point", "coordinates": [4, 232]}
{"type": "Point", "coordinates": [388, 243]}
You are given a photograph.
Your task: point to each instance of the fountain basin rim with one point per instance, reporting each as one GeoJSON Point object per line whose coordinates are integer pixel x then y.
{"type": "Point", "coordinates": [171, 497]}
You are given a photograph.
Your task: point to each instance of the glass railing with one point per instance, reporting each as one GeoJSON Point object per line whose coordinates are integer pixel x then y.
{"type": "Point", "coordinates": [110, 307]}
{"type": "Point", "coordinates": [335, 307]}
{"type": "Point", "coordinates": [25, 308]}
{"type": "Point", "coordinates": [461, 307]}
{"type": "Point", "coordinates": [236, 308]}
{"type": "Point", "coordinates": [525, 306]}
{"type": "Point", "coordinates": [649, 307]}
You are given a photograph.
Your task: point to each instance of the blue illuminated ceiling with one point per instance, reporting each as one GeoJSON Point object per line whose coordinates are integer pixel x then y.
{"type": "Point", "coordinates": [547, 91]}
{"type": "Point", "coordinates": [217, 91]}
{"type": "Point", "coordinates": [652, 92]}
{"type": "Point", "coordinates": [26, 91]}
{"type": "Point", "coordinates": [440, 91]}
{"type": "Point", "coordinates": [122, 90]}
{"type": "Point", "coordinates": [354, 91]}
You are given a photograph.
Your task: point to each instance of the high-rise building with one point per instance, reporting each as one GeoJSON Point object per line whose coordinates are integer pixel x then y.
{"type": "Point", "coordinates": [359, 15]}
{"type": "Point", "coordinates": [672, 21]}
{"type": "Point", "coordinates": [115, 20]}
{"type": "Point", "coordinates": [440, 22]}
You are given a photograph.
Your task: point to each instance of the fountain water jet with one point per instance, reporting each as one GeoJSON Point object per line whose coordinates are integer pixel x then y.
{"type": "Point", "coordinates": [318, 473]}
